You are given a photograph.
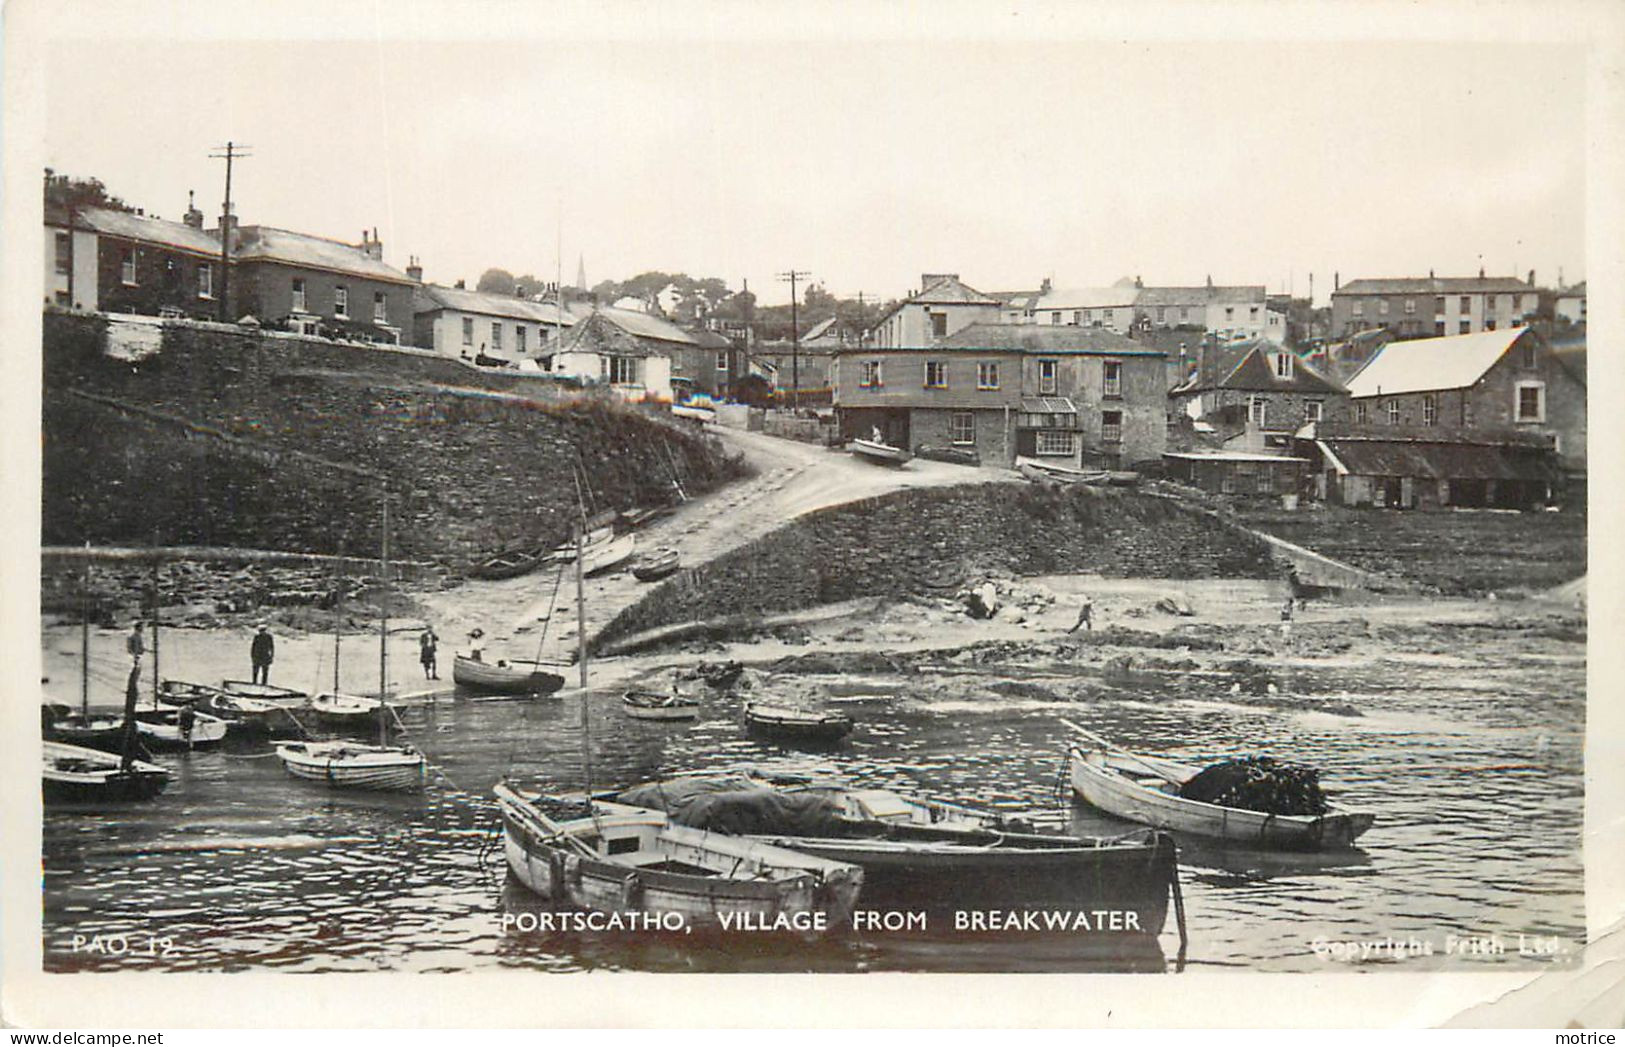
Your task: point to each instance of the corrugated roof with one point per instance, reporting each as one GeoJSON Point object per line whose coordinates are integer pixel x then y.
{"type": "Point", "coordinates": [1425, 364]}
{"type": "Point", "coordinates": [148, 230]}
{"type": "Point", "coordinates": [1441, 461]}
{"type": "Point", "coordinates": [1048, 405]}
{"type": "Point", "coordinates": [431, 297]}
{"type": "Point", "coordinates": [1087, 298]}
{"type": "Point", "coordinates": [264, 243]}
{"type": "Point", "coordinates": [1046, 338]}
{"type": "Point", "coordinates": [1435, 285]}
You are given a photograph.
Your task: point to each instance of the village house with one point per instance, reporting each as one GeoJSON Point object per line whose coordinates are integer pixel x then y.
{"type": "Point", "coordinates": [1020, 307]}
{"type": "Point", "coordinates": [100, 259]}
{"type": "Point", "coordinates": [806, 366]}
{"type": "Point", "coordinates": [1473, 411]}
{"type": "Point", "coordinates": [1074, 395]}
{"type": "Point", "coordinates": [942, 306]}
{"type": "Point", "coordinates": [709, 367]}
{"type": "Point", "coordinates": [1259, 391]}
{"type": "Point", "coordinates": [315, 285]}
{"type": "Point", "coordinates": [630, 352]}
{"type": "Point", "coordinates": [472, 325]}
{"type": "Point", "coordinates": [1108, 307]}
{"type": "Point", "coordinates": [1228, 312]}
{"type": "Point", "coordinates": [1571, 303]}
{"type": "Point", "coordinates": [1422, 307]}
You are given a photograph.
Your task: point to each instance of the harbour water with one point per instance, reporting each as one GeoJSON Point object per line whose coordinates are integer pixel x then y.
{"type": "Point", "coordinates": [1471, 761]}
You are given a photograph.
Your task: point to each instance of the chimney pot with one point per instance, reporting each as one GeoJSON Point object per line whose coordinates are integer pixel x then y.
{"type": "Point", "coordinates": [1481, 272]}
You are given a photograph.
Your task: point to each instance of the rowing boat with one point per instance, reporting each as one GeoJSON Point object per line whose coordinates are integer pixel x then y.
{"type": "Point", "coordinates": [656, 565]}
{"type": "Point", "coordinates": [351, 765]}
{"type": "Point", "coordinates": [477, 675]}
{"type": "Point", "coordinates": [74, 774]}
{"type": "Point", "coordinates": [170, 728]}
{"type": "Point", "coordinates": [604, 556]}
{"type": "Point", "coordinates": [927, 854]}
{"type": "Point", "coordinates": [652, 705]}
{"type": "Point", "coordinates": [510, 563]}
{"type": "Point", "coordinates": [875, 451]}
{"type": "Point", "coordinates": [283, 696]}
{"type": "Point", "coordinates": [1052, 472]}
{"type": "Point", "coordinates": [1144, 789]}
{"type": "Point", "coordinates": [347, 710]}
{"type": "Point", "coordinates": [787, 723]}
{"type": "Point", "coordinates": [615, 858]}
{"type": "Point", "coordinates": [244, 716]}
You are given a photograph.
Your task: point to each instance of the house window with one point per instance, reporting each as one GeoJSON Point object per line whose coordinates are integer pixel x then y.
{"type": "Point", "coordinates": [1079, 316]}
{"type": "Point", "coordinates": [519, 339]}
{"type": "Point", "coordinates": [1161, 313]}
{"type": "Point", "coordinates": [205, 281]}
{"type": "Point", "coordinates": [1229, 313]}
{"type": "Point", "coordinates": [1314, 410]}
{"type": "Point", "coordinates": [871, 375]}
{"type": "Point", "coordinates": [1531, 402]}
{"type": "Point", "coordinates": [1055, 318]}
{"type": "Point", "coordinates": [936, 374]}
{"type": "Point", "coordinates": [1382, 306]}
{"type": "Point", "coordinates": [1359, 308]}
{"type": "Point", "coordinates": [1362, 413]}
{"type": "Point", "coordinates": [468, 330]}
{"type": "Point", "coordinates": [64, 253]}
{"type": "Point", "coordinates": [341, 301]}
{"type": "Point", "coordinates": [722, 360]}
{"type": "Point", "coordinates": [939, 325]}
{"type": "Point", "coordinates": [1410, 307]}
{"type": "Point", "coordinates": [623, 370]}
{"type": "Point", "coordinates": [1054, 442]}
{"type": "Point", "coordinates": [987, 376]}
{"type": "Point", "coordinates": [1227, 480]}
{"type": "Point", "coordinates": [1047, 377]}
{"type": "Point", "coordinates": [1438, 304]}
{"type": "Point", "coordinates": [1283, 365]}
{"type": "Point", "coordinates": [1190, 312]}
{"type": "Point", "coordinates": [1430, 410]}
{"type": "Point", "coordinates": [1528, 354]}
{"type": "Point", "coordinates": [1111, 427]}
{"type": "Point", "coordinates": [380, 308]}
{"type": "Point", "coordinates": [1257, 411]}
{"type": "Point", "coordinates": [1111, 385]}
{"type": "Point", "coordinates": [1393, 412]}
{"type": "Point", "coordinates": [1465, 326]}
{"type": "Point", "coordinates": [1252, 312]}
{"type": "Point", "coordinates": [1438, 328]}
{"type": "Point", "coordinates": [496, 334]}
{"type": "Point", "coordinates": [962, 429]}
{"type": "Point", "coordinates": [1466, 304]}
{"type": "Point", "coordinates": [127, 268]}
{"type": "Point", "coordinates": [299, 294]}
{"type": "Point", "coordinates": [1489, 324]}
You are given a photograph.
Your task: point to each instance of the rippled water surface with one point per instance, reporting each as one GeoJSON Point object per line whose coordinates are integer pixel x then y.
{"type": "Point", "coordinates": [1472, 764]}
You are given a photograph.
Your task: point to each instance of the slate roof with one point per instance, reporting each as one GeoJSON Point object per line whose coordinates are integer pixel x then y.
{"type": "Point", "coordinates": [1045, 338]}
{"type": "Point", "coordinates": [268, 244]}
{"type": "Point", "coordinates": [142, 229]}
{"type": "Point", "coordinates": [1577, 291]}
{"type": "Point", "coordinates": [951, 291]}
{"type": "Point", "coordinates": [611, 335]}
{"type": "Point", "coordinates": [1087, 298]}
{"type": "Point", "coordinates": [1426, 364]}
{"type": "Point", "coordinates": [1435, 285]}
{"type": "Point", "coordinates": [1246, 366]}
{"type": "Point", "coordinates": [646, 325]}
{"type": "Point", "coordinates": [1238, 294]}
{"type": "Point", "coordinates": [1441, 461]}
{"type": "Point", "coordinates": [432, 297]}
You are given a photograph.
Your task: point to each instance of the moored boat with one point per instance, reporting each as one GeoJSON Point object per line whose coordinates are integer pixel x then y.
{"type": "Point", "coordinates": [351, 765]}
{"type": "Point", "coordinates": [620, 859]}
{"type": "Point", "coordinates": [510, 563]}
{"type": "Point", "coordinates": [285, 696]}
{"type": "Point", "coordinates": [1040, 471]}
{"type": "Point", "coordinates": [104, 732]}
{"type": "Point", "coordinates": [656, 565]}
{"type": "Point", "coordinates": [1143, 789]}
{"type": "Point", "coordinates": [74, 774]}
{"type": "Point", "coordinates": [653, 705]}
{"type": "Point", "coordinates": [875, 451]}
{"type": "Point", "coordinates": [787, 723]}
{"type": "Point", "coordinates": [171, 728]}
{"type": "Point", "coordinates": [501, 678]}
{"type": "Point", "coordinates": [596, 559]}
{"type": "Point", "coordinates": [347, 710]}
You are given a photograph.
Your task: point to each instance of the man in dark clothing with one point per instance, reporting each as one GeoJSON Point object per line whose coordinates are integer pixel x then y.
{"type": "Point", "coordinates": [135, 644]}
{"type": "Point", "coordinates": [262, 653]}
{"type": "Point", "coordinates": [427, 646]}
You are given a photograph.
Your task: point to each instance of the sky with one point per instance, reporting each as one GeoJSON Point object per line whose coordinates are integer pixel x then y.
{"type": "Point", "coordinates": [863, 159]}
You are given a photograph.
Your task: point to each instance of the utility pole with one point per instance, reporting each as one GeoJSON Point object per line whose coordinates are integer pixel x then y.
{"type": "Point", "coordinates": [795, 338]}
{"type": "Point", "coordinates": [233, 151]}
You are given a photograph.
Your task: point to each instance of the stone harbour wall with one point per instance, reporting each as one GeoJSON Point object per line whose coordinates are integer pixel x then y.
{"type": "Point", "coordinates": [228, 438]}
{"type": "Point", "coordinates": [940, 539]}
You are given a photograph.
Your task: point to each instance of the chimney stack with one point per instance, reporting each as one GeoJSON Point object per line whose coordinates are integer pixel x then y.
{"type": "Point", "coordinates": [1531, 278]}
{"type": "Point", "coordinates": [1430, 274]}
{"type": "Point", "coordinates": [1210, 281]}
{"type": "Point", "coordinates": [371, 246]}
{"type": "Point", "coordinates": [1481, 272]}
{"type": "Point", "coordinates": [1337, 280]}
{"type": "Point", "coordinates": [194, 217]}
{"type": "Point", "coordinates": [460, 286]}
{"type": "Point", "coordinates": [414, 271]}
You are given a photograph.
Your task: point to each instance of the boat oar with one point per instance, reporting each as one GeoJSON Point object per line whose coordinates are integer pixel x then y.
{"type": "Point", "coordinates": [1098, 740]}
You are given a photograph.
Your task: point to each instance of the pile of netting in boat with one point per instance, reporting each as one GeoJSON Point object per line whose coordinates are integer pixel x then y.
{"type": "Point", "coordinates": [1259, 783]}
{"type": "Point", "coordinates": [729, 804]}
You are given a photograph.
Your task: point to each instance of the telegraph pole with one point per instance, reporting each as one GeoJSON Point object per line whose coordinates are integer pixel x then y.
{"type": "Point", "coordinates": [795, 338]}
{"type": "Point", "coordinates": [232, 152]}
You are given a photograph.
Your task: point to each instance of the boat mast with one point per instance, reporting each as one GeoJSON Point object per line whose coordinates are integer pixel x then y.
{"type": "Point", "coordinates": [84, 642]}
{"type": "Point", "coordinates": [338, 614]}
{"type": "Point", "coordinates": [154, 586]}
{"type": "Point", "coordinates": [383, 629]}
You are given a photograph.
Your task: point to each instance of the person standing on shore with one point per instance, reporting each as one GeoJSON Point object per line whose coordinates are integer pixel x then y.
{"type": "Point", "coordinates": [427, 643]}
{"type": "Point", "coordinates": [1086, 616]}
{"type": "Point", "coordinates": [262, 652]}
{"type": "Point", "coordinates": [1286, 620]}
{"type": "Point", "coordinates": [136, 644]}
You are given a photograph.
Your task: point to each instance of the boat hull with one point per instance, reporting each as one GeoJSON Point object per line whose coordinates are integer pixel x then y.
{"type": "Point", "coordinates": [1099, 780]}
{"type": "Point", "coordinates": [790, 729]}
{"type": "Point", "coordinates": [822, 896]}
{"type": "Point", "coordinates": [881, 454]}
{"type": "Point", "coordinates": [608, 555]}
{"type": "Point", "coordinates": [267, 692]}
{"type": "Point", "coordinates": [653, 708]}
{"type": "Point", "coordinates": [496, 679]}
{"type": "Point", "coordinates": [161, 730]}
{"type": "Point", "coordinates": [334, 766]}
{"type": "Point", "coordinates": [75, 775]}
{"type": "Point", "coordinates": [655, 569]}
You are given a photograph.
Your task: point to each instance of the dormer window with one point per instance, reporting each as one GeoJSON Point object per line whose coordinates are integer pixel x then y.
{"type": "Point", "coordinates": [1283, 365]}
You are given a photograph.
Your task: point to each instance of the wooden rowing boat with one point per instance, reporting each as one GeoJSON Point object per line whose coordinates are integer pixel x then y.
{"type": "Point", "coordinates": [351, 765]}
{"type": "Point", "coordinates": [655, 565]}
{"type": "Point", "coordinates": [170, 728]}
{"type": "Point", "coordinates": [283, 696]}
{"type": "Point", "coordinates": [1040, 471]}
{"type": "Point", "coordinates": [615, 858]}
{"type": "Point", "coordinates": [244, 716]}
{"type": "Point", "coordinates": [498, 678]}
{"type": "Point", "coordinates": [789, 724]}
{"type": "Point", "coordinates": [605, 556]}
{"type": "Point", "coordinates": [347, 710]}
{"type": "Point", "coordinates": [510, 563]}
{"type": "Point", "coordinates": [875, 451]}
{"type": "Point", "coordinates": [1143, 789]}
{"type": "Point", "coordinates": [652, 705]}
{"type": "Point", "coordinates": [927, 854]}
{"type": "Point", "coordinates": [104, 732]}
{"type": "Point", "coordinates": [72, 774]}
